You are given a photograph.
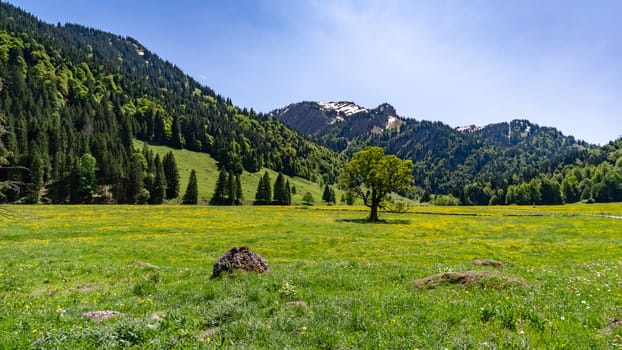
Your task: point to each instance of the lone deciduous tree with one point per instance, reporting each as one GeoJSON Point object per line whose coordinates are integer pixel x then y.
{"type": "Point", "coordinates": [86, 177]}
{"type": "Point", "coordinates": [371, 175]}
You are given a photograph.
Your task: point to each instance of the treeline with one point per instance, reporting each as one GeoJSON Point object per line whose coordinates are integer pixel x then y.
{"type": "Point", "coordinates": [446, 160]}
{"type": "Point", "coordinates": [595, 177]}
{"type": "Point", "coordinates": [67, 91]}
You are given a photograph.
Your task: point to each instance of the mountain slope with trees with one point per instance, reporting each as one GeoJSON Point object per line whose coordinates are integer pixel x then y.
{"type": "Point", "coordinates": [445, 159]}
{"type": "Point", "coordinates": [67, 91]}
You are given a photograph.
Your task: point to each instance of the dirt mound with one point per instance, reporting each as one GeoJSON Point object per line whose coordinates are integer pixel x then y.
{"type": "Point", "coordinates": [483, 279]}
{"type": "Point", "coordinates": [240, 259]}
{"type": "Point", "coordinates": [487, 262]}
{"type": "Point", "coordinates": [101, 315]}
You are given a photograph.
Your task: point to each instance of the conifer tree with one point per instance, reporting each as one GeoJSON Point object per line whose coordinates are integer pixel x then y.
{"type": "Point", "coordinates": [280, 193]}
{"type": "Point", "coordinates": [221, 190]}
{"type": "Point", "coordinates": [239, 194]}
{"type": "Point", "coordinates": [263, 195]}
{"type": "Point", "coordinates": [177, 140]}
{"type": "Point", "coordinates": [288, 193]}
{"type": "Point", "coordinates": [231, 189]}
{"type": "Point", "coordinates": [136, 185]}
{"type": "Point", "coordinates": [326, 195]}
{"type": "Point", "coordinates": [172, 175]}
{"type": "Point", "coordinates": [156, 195]}
{"type": "Point", "coordinates": [192, 191]}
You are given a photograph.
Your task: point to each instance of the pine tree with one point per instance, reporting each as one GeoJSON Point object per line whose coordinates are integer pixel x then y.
{"type": "Point", "coordinates": [231, 189]}
{"type": "Point", "coordinates": [159, 128]}
{"type": "Point", "coordinates": [288, 193]}
{"type": "Point", "coordinates": [192, 191]}
{"type": "Point", "coordinates": [263, 195]}
{"type": "Point", "coordinates": [221, 190]}
{"type": "Point", "coordinates": [177, 140]}
{"type": "Point", "coordinates": [326, 195]}
{"type": "Point", "coordinates": [280, 192]}
{"type": "Point", "coordinates": [135, 190]}
{"type": "Point", "coordinates": [239, 194]}
{"type": "Point", "coordinates": [172, 175]}
{"type": "Point", "coordinates": [159, 183]}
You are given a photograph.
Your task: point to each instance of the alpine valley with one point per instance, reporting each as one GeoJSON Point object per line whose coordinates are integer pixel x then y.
{"type": "Point", "coordinates": [68, 92]}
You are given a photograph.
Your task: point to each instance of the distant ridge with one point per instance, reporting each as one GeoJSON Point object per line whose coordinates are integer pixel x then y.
{"type": "Point", "coordinates": [445, 158]}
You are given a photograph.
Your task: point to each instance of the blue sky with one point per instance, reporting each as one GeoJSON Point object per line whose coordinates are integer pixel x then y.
{"type": "Point", "coordinates": [556, 63]}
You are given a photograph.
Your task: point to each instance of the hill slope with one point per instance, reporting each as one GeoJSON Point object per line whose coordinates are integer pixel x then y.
{"type": "Point", "coordinates": [70, 90]}
{"type": "Point", "coordinates": [207, 172]}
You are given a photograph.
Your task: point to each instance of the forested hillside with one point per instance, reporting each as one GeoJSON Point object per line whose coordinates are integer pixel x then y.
{"type": "Point", "coordinates": [446, 159]}
{"type": "Point", "coordinates": [67, 91]}
{"type": "Point", "coordinates": [590, 176]}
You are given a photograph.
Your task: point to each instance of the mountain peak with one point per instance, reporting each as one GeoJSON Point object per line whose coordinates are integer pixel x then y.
{"type": "Point", "coordinates": [320, 117]}
{"type": "Point", "coordinates": [342, 107]}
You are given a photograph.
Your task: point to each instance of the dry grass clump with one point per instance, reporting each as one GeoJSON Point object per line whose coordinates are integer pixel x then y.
{"type": "Point", "coordinates": [483, 279]}
{"type": "Point", "coordinates": [487, 262]}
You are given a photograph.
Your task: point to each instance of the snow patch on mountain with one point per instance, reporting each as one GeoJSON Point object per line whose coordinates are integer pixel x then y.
{"type": "Point", "coordinates": [346, 108]}
{"type": "Point", "coordinates": [469, 129]}
{"type": "Point", "coordinates": [393, 122]}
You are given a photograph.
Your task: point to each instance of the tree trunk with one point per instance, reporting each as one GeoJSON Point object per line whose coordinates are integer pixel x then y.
{"type": "Point", "coordinates": [373, 215]}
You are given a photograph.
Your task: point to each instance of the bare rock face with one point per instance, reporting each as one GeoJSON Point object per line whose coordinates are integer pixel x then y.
{"type": "Point", "coordinates": [240, 259]}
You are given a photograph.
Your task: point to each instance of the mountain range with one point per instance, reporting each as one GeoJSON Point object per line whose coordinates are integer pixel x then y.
{"type": "Point", "coordinates": [67, 91]}
{"type": "Point", "coordinates": [445, 158]}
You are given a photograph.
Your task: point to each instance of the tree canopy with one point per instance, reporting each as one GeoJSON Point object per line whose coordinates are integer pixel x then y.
{"type": "Point", "coordinates": [371, 175]}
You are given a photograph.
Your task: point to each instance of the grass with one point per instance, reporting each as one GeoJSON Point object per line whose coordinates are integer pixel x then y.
{"type": "Point", "coordinates": [207, 170]}
{"type": "Point", "coordinates": [152, 264]}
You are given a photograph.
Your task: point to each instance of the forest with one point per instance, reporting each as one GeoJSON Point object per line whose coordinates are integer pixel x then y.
{"type": "Point", "coordinates": [68, 93]}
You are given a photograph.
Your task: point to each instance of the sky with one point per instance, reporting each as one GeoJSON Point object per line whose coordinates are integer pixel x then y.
{"type": "Point", "coordinates": [554, 62]}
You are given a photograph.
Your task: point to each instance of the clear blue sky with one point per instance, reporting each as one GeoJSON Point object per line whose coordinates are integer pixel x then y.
{"type": "Point", "coordinates": [556, 63]}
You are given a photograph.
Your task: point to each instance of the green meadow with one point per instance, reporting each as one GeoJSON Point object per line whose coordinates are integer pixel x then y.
{"type": "Point", "coordinates": [353, 283]}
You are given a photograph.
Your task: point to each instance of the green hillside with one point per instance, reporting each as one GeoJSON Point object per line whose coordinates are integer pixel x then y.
{"type": "Point", "coordinates": [206, 169]}
{"type": "Point", "coordinates": [67, 92]}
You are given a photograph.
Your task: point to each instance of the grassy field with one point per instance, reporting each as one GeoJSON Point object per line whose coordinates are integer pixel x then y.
{"type": "Point", "coordinates": [560, 286]}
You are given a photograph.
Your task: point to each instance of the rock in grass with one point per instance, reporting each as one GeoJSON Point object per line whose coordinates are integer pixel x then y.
{"type": "Point", "coordinates": [614, 322]}
{"type": "Point", "coordinates": [484, 279]}
{"type": "Point", "coordinates": [240, 259]}
{"type": "Point", "coordinates": [101, 315]}
{"type": "Point", "coordinates": [299, 303]}
{"type": "Point", "coordinates": [487, 262]}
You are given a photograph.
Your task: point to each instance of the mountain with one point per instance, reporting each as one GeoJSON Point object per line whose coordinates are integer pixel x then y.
{"type": "Point", "coordinates": [446, 159]}
{"type": "Point", "coordinates": [68, 90]}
